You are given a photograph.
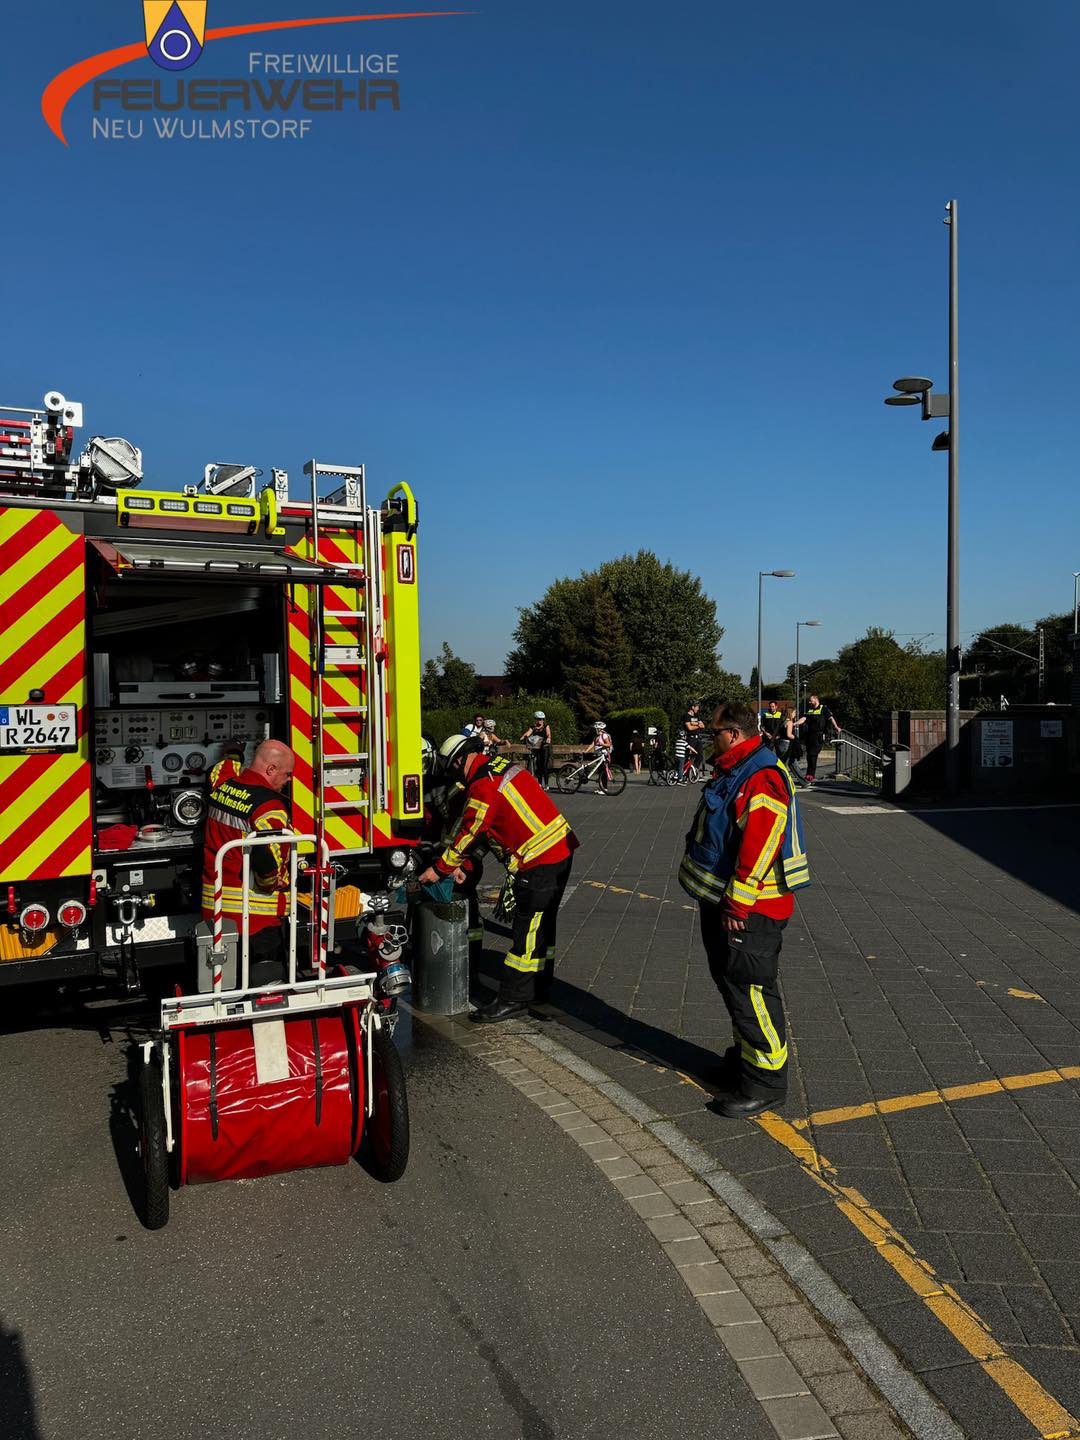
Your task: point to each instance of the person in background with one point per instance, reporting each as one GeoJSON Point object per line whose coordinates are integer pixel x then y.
{"type": "Point", "coordinates": [637, 749]}
{"type": "Point", "coordinates": [491, 740]}
{"type": "Point", "coordinates": [695, 732]}
{"type": "Point", "coordinates": [816, 722]}
{"type": "Point", "coordinates": [537, 739]}
{"type": "Point", "coordinates": [792, 745]}
{"type": "Point", "coordinates": [772, 723]}
{"type": "Point", "coordinates": [602, 747]}
{"type": "Point", "coordinates": [680, 757]}
{"type": "Point", "coordinates": [475, 727]}
{"type": "Point", "coordinates": [657, 756]}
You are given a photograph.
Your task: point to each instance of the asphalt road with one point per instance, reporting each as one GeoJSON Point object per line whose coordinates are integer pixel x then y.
{"type": "Point", "coordinates": [501, 1289]}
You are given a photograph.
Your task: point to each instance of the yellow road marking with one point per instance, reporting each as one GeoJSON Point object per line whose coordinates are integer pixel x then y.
{"type": "Point", "coordinates": [968, 1328]}
{"type": "Point", "coordinates": [640, 894]}
{"type": "Point", "coordinates": [923, 1098]}
{"type": "Point", "coordinates": [1016, 994]}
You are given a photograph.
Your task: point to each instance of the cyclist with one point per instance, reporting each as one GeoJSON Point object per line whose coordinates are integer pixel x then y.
{"type": "Point", "coordinates": [602, 747]}
{"type": "Point", "coordinates": [538, 740]}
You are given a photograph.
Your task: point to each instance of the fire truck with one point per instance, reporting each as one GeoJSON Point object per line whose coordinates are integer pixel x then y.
{"type": "Point", "coordinates": [147, 633]}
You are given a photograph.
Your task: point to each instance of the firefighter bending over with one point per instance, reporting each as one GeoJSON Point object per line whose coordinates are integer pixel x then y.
{"type": "Point", "coordinates": [508, 808]}
{"type": "Point", "coordinates": [251, 803]}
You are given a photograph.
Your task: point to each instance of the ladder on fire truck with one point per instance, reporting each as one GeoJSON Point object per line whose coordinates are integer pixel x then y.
{"type": "Point", "coordinates": [347, 649]}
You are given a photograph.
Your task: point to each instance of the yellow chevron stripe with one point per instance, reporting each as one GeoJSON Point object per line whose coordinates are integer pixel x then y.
{"type": "Point", "coordinates": [75, 817]}
{"type": "Point", "coordinates": [27, 626]}
{"type": "Point", "coordinates": [69, 647]}
{"type": "Point", "coordinates": [47, 549]}
{"type": "Point", "coordinates": [24, 805]}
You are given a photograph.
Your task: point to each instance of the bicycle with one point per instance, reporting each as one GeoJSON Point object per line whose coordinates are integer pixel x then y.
{"type": "Point", "coordinates": [571, 776]}
{"type": "Point", "coordinates": [690, 773]}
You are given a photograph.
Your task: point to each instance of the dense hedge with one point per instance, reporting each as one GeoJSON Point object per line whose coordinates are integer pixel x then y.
{"type": "Point", "coordinates": [622, 723]}
{"type": "Point", "coordinates": [511, 716]}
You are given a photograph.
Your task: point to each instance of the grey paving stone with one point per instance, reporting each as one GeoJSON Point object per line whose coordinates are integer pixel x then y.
{"type": "Point", "coordinates": [771, 1377]}
{"type": "Point", "coordinates": [817, 1357]}
{"type": "Point", "coordinates": [748, 1342]}
{"type": "Point", "coordinates": [636, 1185]}
{"type": "Point", "coordinates": [966, 1390]}
{"type": "Point", "coordinates": [799, 1418]}
{"type": "Point", "coordinates": [793, 1322]}
{"type": "Point", "coordinates": [619, 1169]}
{"type": "Point", "coordinates": [993, 1259]}
{"type": "Point", "coordinates": [651, 1207]}
{"type": "Point", "coordinates": [844, 1394]}
{"type": "Point", "coordinates": [728, 1308]}
{"type": "Point", "coordinates": [708, 1279]}
{"type": "Point", "coordinates": [688, 1252]}
{"type": "Point", "coordinates": [688, 1192]}
{"type": "Point", "coordinates": [768, 1290]}
{"type": "Point", "coordinates": [726, 1237]}
{"type": "Point", "coordinates": [672, 1227]}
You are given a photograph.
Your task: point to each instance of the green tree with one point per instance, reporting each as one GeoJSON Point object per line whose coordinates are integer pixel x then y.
{"type": "Point", "coordinates": [599, 654]}
{"type": "Point", "coordinates": [448, 681]}
{"type": "Point", "coordinates": [568, 641]}
{"type": "Point", "coordinates": [878, 676]}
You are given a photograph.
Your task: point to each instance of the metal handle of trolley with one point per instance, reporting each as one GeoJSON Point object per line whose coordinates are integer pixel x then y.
{"type": "Point", "coordinates": [320, 899]}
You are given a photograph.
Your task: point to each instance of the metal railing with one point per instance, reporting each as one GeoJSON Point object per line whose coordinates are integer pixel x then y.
{"type": "Point", "coordinates": [858, 760]}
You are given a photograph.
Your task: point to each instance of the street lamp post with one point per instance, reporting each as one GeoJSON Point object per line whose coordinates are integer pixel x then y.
{"type": "Point", "coordinates": [913, 389]}
{"type": "Point", "coordinates": [1076, 598]}
{"type": "Point", "coordinates": [780, 575]}
{"type": "Point", "coordinates": [798, 626]}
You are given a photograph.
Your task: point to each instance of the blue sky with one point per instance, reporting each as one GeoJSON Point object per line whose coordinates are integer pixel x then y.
{"type": "Point", "coordinates": [615, 275]}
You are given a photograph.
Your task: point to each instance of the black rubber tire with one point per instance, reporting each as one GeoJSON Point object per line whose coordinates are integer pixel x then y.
{"type": "Point", "coordinates": [152, 1148]}
{"type": "Point", "coordinates": [616, 780]}
{"type": "Point", "coordinates": [386, 1130]}
{"type": "Point", "coordinates": [568, 779]}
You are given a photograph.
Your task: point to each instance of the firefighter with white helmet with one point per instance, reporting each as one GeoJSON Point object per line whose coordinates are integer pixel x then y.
{"type": "Point", "coordinates": [506, 810]}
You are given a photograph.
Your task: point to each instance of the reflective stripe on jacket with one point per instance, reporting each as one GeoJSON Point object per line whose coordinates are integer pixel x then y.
{"type": "Point", "coordinates": [516, 817]}
{"type": "Point", "coordinates": [745, 848]}
{"type": "Point", "coordinates": [239, 807]}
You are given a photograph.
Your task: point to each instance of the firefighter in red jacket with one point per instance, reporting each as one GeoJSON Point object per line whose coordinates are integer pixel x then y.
{"type": "Point", "coordinates": [251, 803]}
{"type": "Point", "coordinates": [517, 819]}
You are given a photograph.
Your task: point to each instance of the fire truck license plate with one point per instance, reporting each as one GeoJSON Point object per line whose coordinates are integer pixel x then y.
{"type": "Point", "coordinates": [39, 727]}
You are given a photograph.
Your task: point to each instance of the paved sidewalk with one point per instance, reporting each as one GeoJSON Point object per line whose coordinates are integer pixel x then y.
{"type": "Point", "coordinates": [930, 1151]}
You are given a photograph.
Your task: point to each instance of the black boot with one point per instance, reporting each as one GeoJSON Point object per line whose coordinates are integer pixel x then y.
{"type": "Point", "coordinates": [497, 1011]}
{"type": "Point", "coordinates": [745, 1107]}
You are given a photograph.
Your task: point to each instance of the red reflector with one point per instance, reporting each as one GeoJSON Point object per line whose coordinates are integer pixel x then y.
{"type": "Point", "coordinates": [411, 791]}
{"type": "Point", "coordinates": [34, 917]}
{"type": "Point", "coordinates": [72, 914]}
{"type": "Point", "coordinates": [11, 899]}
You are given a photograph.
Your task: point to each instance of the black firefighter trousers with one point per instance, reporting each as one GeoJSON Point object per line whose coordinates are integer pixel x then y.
{"type": "Point", "coordinates": [530, 961]}
{"type": "Point", "coordinates": [744, 965]}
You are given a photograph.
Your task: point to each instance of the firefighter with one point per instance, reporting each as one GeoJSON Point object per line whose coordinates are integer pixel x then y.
{"type": "Point", "coordinates": [506, 808]}
{"type": "Point", "coordinates": [251, 803]}
{"type": "Point", "coordinates": [744, 858]}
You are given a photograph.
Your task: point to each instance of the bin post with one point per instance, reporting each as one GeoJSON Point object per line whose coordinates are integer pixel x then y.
{"type": "Point", "coordinates": [440, 956]}
{"type": "Point", "coordinates": [898, 772]}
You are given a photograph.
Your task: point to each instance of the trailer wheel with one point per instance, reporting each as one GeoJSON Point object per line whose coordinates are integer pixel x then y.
{"type": "Point", "coordinates": [152, 1148]}
{"type": "Point", "coordinates": [387, 1127]}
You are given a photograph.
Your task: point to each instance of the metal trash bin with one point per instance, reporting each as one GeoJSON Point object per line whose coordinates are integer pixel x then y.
{"type": "Point", "coordinates": [440, 956]}
{"type": "Point", "coordinates": [897, 775]}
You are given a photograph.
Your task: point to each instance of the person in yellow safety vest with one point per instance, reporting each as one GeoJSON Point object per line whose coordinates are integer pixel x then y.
{"type": "Point", "coordinates": [251, 803]}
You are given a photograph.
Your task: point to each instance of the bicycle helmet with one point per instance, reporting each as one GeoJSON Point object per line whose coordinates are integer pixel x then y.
{"type": "Point", "coordinates": [599, 726]}
{"type": "Point", "coordinates": [539, 715]}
